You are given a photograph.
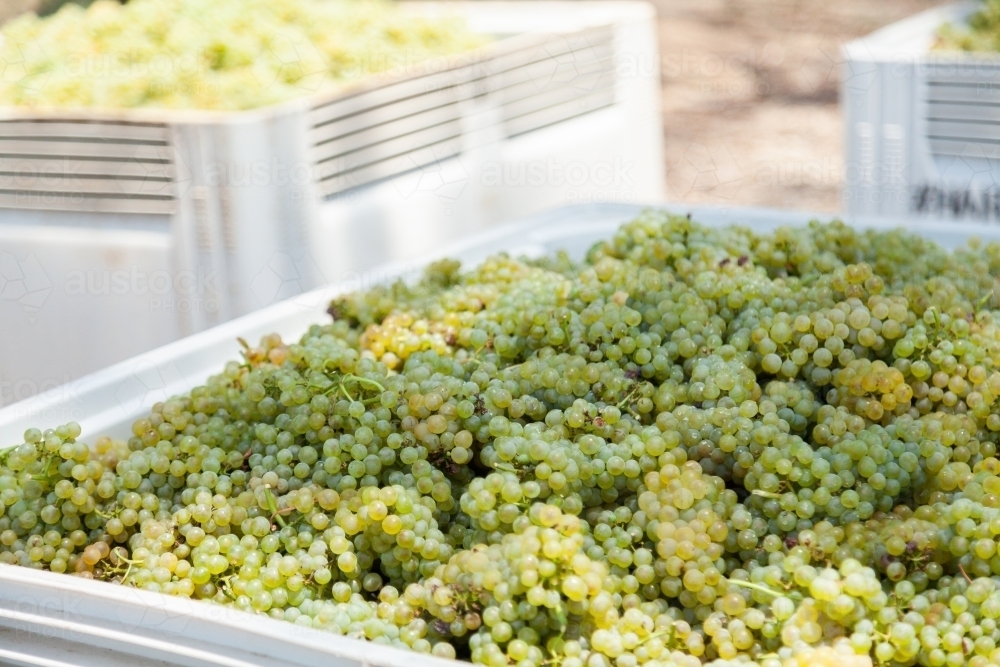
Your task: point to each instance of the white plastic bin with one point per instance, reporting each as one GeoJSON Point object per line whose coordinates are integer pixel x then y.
{"type": "Point", "coordinates": [590, 133]}
{"type": "Point", "coordinates": [921, 126]}
{"type": "Point", "coordinates": [123, 231]}
{"type": "Point", "coordinates": [53, 620]}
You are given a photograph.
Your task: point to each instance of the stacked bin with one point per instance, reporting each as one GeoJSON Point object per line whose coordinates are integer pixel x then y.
{"type": "Point", "coordinates": [921, 127]}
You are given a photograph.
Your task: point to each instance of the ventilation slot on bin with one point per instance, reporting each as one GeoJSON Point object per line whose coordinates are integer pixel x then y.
{"type": "Point", "coordinates": [963, 110]}
{"type": "Point", "coordinates": [528, 84]}
{"type": "Point", "coordinates": [387, 131]}
{"type": "Point", "coordinates": [566, 77]}
{"type": "Point", "coordinates": [86, 166]}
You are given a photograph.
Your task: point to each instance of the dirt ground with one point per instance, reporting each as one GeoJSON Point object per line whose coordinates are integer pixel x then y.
{"type": "Point", "coordinates": [750, 113]}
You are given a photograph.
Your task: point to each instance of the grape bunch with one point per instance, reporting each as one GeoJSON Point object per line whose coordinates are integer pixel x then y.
{"type": "Point", "coordinates": [223, 54]}
{"type": "Point", "coordinates": [977, 33]}
{"type": "Point", "coordinates": [695, 446]}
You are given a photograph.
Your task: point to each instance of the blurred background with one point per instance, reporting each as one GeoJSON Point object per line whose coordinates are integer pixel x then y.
{"type": "Point", "coordinates": [750, 97]}
{"type": "Point", "coordinates": [750, 94]}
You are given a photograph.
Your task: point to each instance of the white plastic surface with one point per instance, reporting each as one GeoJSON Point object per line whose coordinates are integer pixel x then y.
{"type": "Point", "coordinates": [51, 620]}
{"type": "Point", "coordinates": [56, 620]}
{"type": "Point", "coordinates": [71, 295]}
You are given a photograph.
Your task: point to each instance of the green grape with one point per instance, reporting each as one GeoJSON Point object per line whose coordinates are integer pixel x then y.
{"type": "Point", "coordinates": [169, 54]}
{"type": "Point", "coordinates": [696, 446]}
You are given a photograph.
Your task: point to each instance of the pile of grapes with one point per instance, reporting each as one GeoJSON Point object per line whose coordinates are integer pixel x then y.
{"type": "Point", "coordinates": [981, 33]}
{"type": "Point", "coordinates": [695, 446]}
{"type": "Point", "coordinates": [211, 54]}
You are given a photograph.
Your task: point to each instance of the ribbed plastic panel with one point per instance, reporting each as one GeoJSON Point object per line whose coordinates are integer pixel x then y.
{"type": "Point", "coordinates": [519, 85]}
{"type": "Point", "coordinates": [922, 126]}
{"type": "Point", "coordinates": [566, 77]}
{"type": "Point", "coordinates": [132, 161]}
{"type": "Point", "coordinates": [86, 165]}
{"type": "Point", "coordinates": [963, 109]}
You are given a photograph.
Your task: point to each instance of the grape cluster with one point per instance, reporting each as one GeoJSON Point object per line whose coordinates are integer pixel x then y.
{"type": "Point", "coordinates": [224, 54]}
{"type": "Point", "coordinates": [979, 33]}
{"type": "Point", "coordinates": [696, 446]}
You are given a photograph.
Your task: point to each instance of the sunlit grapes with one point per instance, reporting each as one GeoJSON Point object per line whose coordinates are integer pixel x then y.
{"type": "Point", "coordinates": [223, 54]}
{"type": "Point", "coordinates": [694, 446]}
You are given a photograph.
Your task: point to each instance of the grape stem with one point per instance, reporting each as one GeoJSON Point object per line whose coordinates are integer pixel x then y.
{"type": "Point", "coordinates": [657, 635]}
{"type": "Point", "coordinates": [344, 391]}
{"type": "Point", "coordinates": [273, 505]}
{"type": "Point", "coordinates": [363, 380]}
{"type": "Point", "coordinates": [756, 587]}
{"type": "Point", "coordinates": [506, 467]}
{"type": "Point", "coordinates": [475, 355]}
{"type": "Point", "coordinates": [112, 511]}
{"type": "Point", "coordinates": [360, 380]}
{"type": "Point", "coordinates": [46, 476]}
{"type": "Point", "coordinates": [621, 404]}
{"type": "Point", "coordinates": [123, 559]}
{"type": "Point", "coordinates": [226, 587]}
{"type": "Point", "coordinates": [560, 615]}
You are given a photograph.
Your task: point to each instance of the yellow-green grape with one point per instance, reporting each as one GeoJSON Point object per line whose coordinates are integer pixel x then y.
{"type": "Point", "coordinates": [694, 446]}
{"type": "Point", "coordinates": [224, 54]}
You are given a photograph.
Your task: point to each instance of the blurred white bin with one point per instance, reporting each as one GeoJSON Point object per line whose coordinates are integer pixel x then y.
{"type": "Point", "coordinates": [590, 134]}
{"type": "Point", "coordinates": [921, 127]}
{"type": "Point", "coordinates": [122, 231]}
{"type": "Point", "coordinates": [54, 620]}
